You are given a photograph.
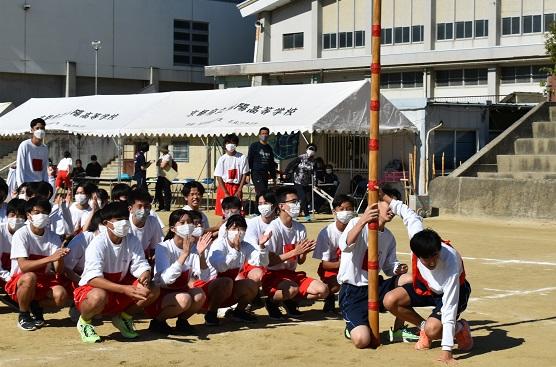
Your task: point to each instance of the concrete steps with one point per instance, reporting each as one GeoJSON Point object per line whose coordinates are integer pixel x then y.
{"type": "Point", "coordinates": [526, 163]}
{"type": "Point", "coordinates": [544, 129]}
{"type": "Point", "coordinates": [111, 169]}
{"type": "Point", "coordinates": [535, 146]}
{"type": "Point", "coordinates": [517, 175]}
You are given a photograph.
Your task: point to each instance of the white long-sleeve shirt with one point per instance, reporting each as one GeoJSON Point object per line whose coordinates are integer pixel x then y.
{"type": "Point", "coordinates": [222, 257]}
{"type": "Point", "coordinates": [353, 263]}
{"type": "Point", "coordinates": [444, 280]}
{"type": "Point", "coordinates": [283, 240]}
{"type": "Point", "coordinates": [168, 272]}
{"type": "Point", "coordinates": [32, 163]}
{"type": "Point", "coordinates": [107, 260]}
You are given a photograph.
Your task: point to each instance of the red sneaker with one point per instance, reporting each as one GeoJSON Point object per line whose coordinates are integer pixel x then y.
{"type": "Point", "coordinates": [423, 342]}
{"type": "Point", "coordinates": [464, 338]}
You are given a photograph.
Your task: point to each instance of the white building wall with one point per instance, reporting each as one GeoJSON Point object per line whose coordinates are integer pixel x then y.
{"type": "Point", "coordinates": [291, 19]}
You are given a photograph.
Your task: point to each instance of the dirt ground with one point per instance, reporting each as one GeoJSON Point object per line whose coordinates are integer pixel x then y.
{"type": "Point", "coordinates": [511, 266]}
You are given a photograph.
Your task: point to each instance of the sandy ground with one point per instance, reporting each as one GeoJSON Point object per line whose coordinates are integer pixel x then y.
{"type": "Point", "coordinates": [511, 266]}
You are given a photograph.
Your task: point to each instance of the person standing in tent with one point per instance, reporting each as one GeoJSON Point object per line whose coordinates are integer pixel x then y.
{"type": "Point", "coordinates": [230, 172]}
{"type": "Point", "coordinates": [140, 174]}
{"type": "Point", "coordinates": [261, 162]}
{"type": "Point", "coordinates": [32, 156]}
{"type": "Point", "coordinates": [302, 169]}
{"type": "Point", "coordinates": [166, 173]}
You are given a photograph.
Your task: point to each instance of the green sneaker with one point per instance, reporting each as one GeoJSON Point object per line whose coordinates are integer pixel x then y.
{"type": "Point", "coordinates": [403, 334]}
{"type": "Point", "coordinates": [347, 334]}
{"type": "Point", "coordinates": [87, 332]}
{"type": "Point", "coordinates": [125, 326]}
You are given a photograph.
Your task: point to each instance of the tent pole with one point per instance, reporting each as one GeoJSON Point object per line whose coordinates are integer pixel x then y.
{"type": "Point", "coordinates": [372, 266]}
{"type": "Point", "coordinates": [120, 158]}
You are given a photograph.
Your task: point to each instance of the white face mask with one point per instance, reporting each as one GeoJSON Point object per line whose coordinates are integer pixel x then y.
{"type": "Point", "coordinates": [121, 228]}
{"type": "Point", "coordinates": [40, 220]}
{"type": "Point", "coordinates": [141, 214]}
{"type": "Point", "coordinates": [81, 199]}
{"type": "Point", "coordinates": [329, 171]}
{"type": "Point", "coordinates": [229, 213]}
{"type": "Point", "coordinates": [310, 153]}
{"type": "Point", "coordinates": [231, 147]}
{"type": "Point", "coordinates": [294, 209]}
{"type": "Point", "coordinates": [22, 197]}
{"type": "Point", "coordinates": [16, 223]}
{"type": "Point", "coordinates": [234, 233]}
{"type": "Point", "coordinates": [39, 134]}
{"type": "Point", "coordinates": [345, 216]}
{"type": "Point", "coordinates": [197, 232]}
{"type": "Point", "coordinates": [184, 230]}
{"type": "Point", "coordinates": [266, 210]}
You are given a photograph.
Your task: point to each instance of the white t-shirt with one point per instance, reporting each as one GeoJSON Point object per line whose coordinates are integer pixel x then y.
{"type": "Point", "coordinates": [283, 240]}
{"type": "Point", "coordinates": [79, 216]}
{"type": "Point", "coordinates": [150, 235]}
{"type": "Point", "coordinates": [353, 263]}
{"type": "Point", "coordinates": [255, 229]}
{"type": "Point", "coordinates": [5, 251]}
{"type": "Point", "coordinates": [160, 222]}
{"type": "Point", "coordinates": [327, 243]}
{"type": "Point", "coordinates": [75, 260]}
{"type": "Point", "coordinates": [231, 167]}
{"type": "Point", "coordinates": [113, 262]}
{"type": "Point", "coordinates": [27, 244]}
{"type": "Point", "coordinates": [32, 163]}
{"type": "Point", "coordinates": [204, 218]}
{"type": "Point", "coordinates": [65, 164]}
{"type": "Point", "coordinates": [222, 257]}
{"type": "Point", "coordinates": [167, 269]}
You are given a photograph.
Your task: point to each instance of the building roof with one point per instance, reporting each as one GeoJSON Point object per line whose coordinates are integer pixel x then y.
{"type": "Point", "coordinates": [250, 7]}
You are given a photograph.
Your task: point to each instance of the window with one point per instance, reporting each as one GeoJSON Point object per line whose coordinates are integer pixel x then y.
{"type": "Point", "coordinates": [464, 29]}
{"type": "Point", "coordinates": [467, 77]}
{"type": "Point", "coordinates": [481, 28]}
{"type": "Point", "coordinates": [456, 145]}
{"type": "Point", "coordinates": [548, 20]}
{"type": "Point", "coordinates": [386, 36]}
{"type": "Point", "coordinates": [522, 74]}
{"type": "Point", "coordinates": [401, 35]}
{"type": "Point", "coordinates": [180, 151]}
{"type": "Point", "coordinates": [346, 39]}
{"type": "Point", "coordinates": [510, 25]}
{"type": "Point", "coordinates": [532, 24]}
{"type": "Point", "coordinates": [191, 43]}
{"type": "Point", "coordinates": [417, 33]}
{"type": "Point", "coordinates": [359, 38]}
{"type": "Point", "coordinates": [291, 41]}
{"type": "Point", "coordinates": [444, 31]}
{"type": "Point", "coordinates": [329, 41]}
{"type": "Point", "coordinates": [409, 79]}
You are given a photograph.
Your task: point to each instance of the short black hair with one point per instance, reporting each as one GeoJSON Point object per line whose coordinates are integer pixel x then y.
{"type": "Point", "coordinates": [425, 244]}
{"type": "Point", "coordinates": [96, 220]}
{"type": "Point", "coordinates": [391, 191]}
{"type": "Point", "coordinates": [17, 206]}
{"type": "Point", "coordinates": [113, 210]}
{"type": "Point", "coordinates": [236, 220]}
{"type": "Point", "coordinates": [35, 122]}
{"type": "Point", "coordinates": [175, 217]}
{"type": "Point", "coordinates": [191, 184]}
{"type": "Point", "coordinates": [24, 185]}
{"type": "Point", "coordinates": [39, 202]}
{"type": "Point", "coordinates": [93, 157]}
{"type": "Point", "coordinates": [342, 198]}
{"type": "Point", "coordinates": [139, 195]}
{"type": "Point", "coordinates": [312, 147]}
{"type": "Point", "coordinates": [231, 202]}
{"type": "Point", "coordinates": [268, 196]}
{"type": "Point", "coordinates": [102, 195]}
{"type": "Point", "coordinates": [328, 166]}
{"type": "Point", "coordinates": [119, 190]}
{"type": "Point", "coordinates": [67, 154]}
{"type": "Point", "coordinates": [3, 187]}
{"type": "Point", "coordinates": [78, 161]}
{"type": "Point", "coordinates": [88, 187]}
{"type": "Point", "coordinates": [39, 189]}
{"type": "Point", "coordinates": [264, 128]}
{"type": "Point", "coordinates": [232, 139]}
{"type": "Point", "coordinates": [284, 191]}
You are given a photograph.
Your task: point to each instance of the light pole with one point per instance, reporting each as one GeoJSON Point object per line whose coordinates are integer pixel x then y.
{"type": "Point", "coordinates": [96, 47]}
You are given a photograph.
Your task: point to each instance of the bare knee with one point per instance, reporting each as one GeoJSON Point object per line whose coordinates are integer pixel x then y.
{"type": "Point", "coordinates": [183, 300]}
{"type": "Point", "coordinates": [27, 279]}
{"type": "Point", "coordinates": [256, 275]}
{"type": "Point", "coordinates": [59, 295]}
{"type": "Point", "coordinates": [361, 337]}
{"type": "Point", "coordinates": [97, 297]}
{"type": "Point", "coordinates": [223, 287]}
{"type": "Point", "coordinates": [433, 328]}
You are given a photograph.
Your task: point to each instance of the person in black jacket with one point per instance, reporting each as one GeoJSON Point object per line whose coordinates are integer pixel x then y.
{"type": "Point", "coordinates": [261, 162]}
{"type": "Point", "coordinates": [94, 169]}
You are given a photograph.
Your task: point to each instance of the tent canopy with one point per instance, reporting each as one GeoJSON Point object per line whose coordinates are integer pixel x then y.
{"type": "Point", "coordinates": [327, 107]}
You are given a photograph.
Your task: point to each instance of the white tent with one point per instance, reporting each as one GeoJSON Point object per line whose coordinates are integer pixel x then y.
{"type": "Point", "coordinates": [327, 107]}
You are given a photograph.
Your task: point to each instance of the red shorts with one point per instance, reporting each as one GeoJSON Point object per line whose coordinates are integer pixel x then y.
{"type": "Point", "coordinates": [220, 195]}
{"type": "Point", "coordinates": [327, 276]}
{"type": "Point", "coordinates": [205, 286]}
{"type": "Point", "coordinates": [248, 267]}
{"type": "Point", "coordinates": [44, 283]}
{"type": "Point", "coordinates": [273, 278]}
{"type": "Point", "coordinates": [155, 308]}
{"type": "Point", "coordinates": [117, 302]}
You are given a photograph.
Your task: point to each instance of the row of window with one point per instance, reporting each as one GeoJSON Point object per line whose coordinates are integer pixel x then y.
{"type": "Point", "coordinates": [445, 31]}
{"type": "Point", "coordinates": [191, 43]}
{"type": "Point", "coordinates": [523, 74]}
{"type": "Point", "coordinates": [330, 40]}
{"type": "Point", "coordinates": [527, 24]}
{"type": "Point", "coordinates": [395, 35]}
{"type": "Point", "coordinates": [445, 78]}
{"type": "Point", "coordinates": [406, 79]}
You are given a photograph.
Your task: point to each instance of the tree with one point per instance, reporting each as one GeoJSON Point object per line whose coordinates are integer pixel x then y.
{"type": "Point", "coordinates": [550, 47]}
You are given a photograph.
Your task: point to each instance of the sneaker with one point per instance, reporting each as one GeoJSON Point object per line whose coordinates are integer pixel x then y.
{"type": "Point", "coordinates": [126, 327]}
{"type": "Point", "coordinates": [74, 314]}
{"type": "Point", "coordinates": [38, 314]}
{"type": "Point", "coordinates": [464, 338]}
{"type": "Point", "coordinates": [243, 316]}
{"type": "Point", "coordinates": [307, 218]}
{"type": "Point", "coordinates": [160, 327]}
{"type": "Point", "coordinates": [26, 322]}
{"type": "Point", "coordinates": [403, 334]}
{"type": "Point", "coordinates": [329, 304]}
{"type": "Point", "coordinates": [291, 308]}
{"type": "Point", "coordinates": [273, 310]}
{"type": "Point", "coordinates": [347, 335]}
{"type": "Point", "coordinates": [87, 332]}
{"type": "Point", "coordinates": [184, 327]}
{"type": "Point", "coordinates": [423, 342]}
{"type": "Point", "coordinates": [211, 319]}
{"type": "Point", "coordinates": [256, 303]}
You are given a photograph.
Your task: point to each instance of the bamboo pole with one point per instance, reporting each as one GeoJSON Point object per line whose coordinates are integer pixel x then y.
{"type": "Point", "coordinates": [372, 250]}
{"type": "Point", "coordinates": [442, 163]}
{"type": "Point", "coordinates": [410, 173]}
{"type": "Point", "coordinates": [414, 168]}
{"type": "Point", "coordinates": [433, 167]}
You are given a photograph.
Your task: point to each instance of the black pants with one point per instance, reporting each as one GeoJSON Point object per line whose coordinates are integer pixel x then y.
{"type": "Point", "coordinates": [260, 181]}
{"type": "Point", "coordinates": [304, 196]}
{"type": "Point", "coordinates": [163, 193]}
{"type": "Point", "coordinates": [141, 178]}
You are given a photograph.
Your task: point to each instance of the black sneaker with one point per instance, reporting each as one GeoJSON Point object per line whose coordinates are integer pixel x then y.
{"type": "Point", "coordinates": [184, 327]}
{"type": "Point", "coordinates": [329, 304]}
{"type": "Point", "coordinates": [256, 303]}
{"type": "Point", "coordinates": [160, 327]}
{"type": "Point", "coordinates": [273, 310]}
{"type": "Point", "coordinates": [38, 314]}
{"type": "Point", "coordinates": [211, 318]}
{"type": "Point", "coordinates": [26, 322]}
{"type": "Point", "coordinates": [291, 308]}
{"type": "Point", "coordinates": [243, 316]}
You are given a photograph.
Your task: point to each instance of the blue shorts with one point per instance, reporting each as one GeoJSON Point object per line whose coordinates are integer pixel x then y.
{"type": "Point", "coordinates": [435, 300]}
{"type": "Point", "coordinates": [354, 301]}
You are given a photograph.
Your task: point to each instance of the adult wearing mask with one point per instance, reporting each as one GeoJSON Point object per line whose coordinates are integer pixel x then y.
{"type": "Point", "coordinates": [261, 161]}
{"type": "Point", "coordinates": [32, 156]}
{"type": "Point", "coordinates": [302, 169]}
{"type": "Point", "coordinates": [230, 172]}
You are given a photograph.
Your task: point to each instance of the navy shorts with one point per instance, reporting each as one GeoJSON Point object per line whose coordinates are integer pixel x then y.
{"type": "Point", "coordinates": [435, 300]}
{"type": "Point", "coordinates": [354, 301]}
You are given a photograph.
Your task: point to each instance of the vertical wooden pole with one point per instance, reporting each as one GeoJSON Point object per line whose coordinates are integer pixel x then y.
{"type": "Point", "coordinates": [442, 163]}
{"type": "Point", "coordinates": [414, 168]}
{"type": "Point", "coordinates": [372, 266]}
{"type": "Point", "coordinates": [433, 167]}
